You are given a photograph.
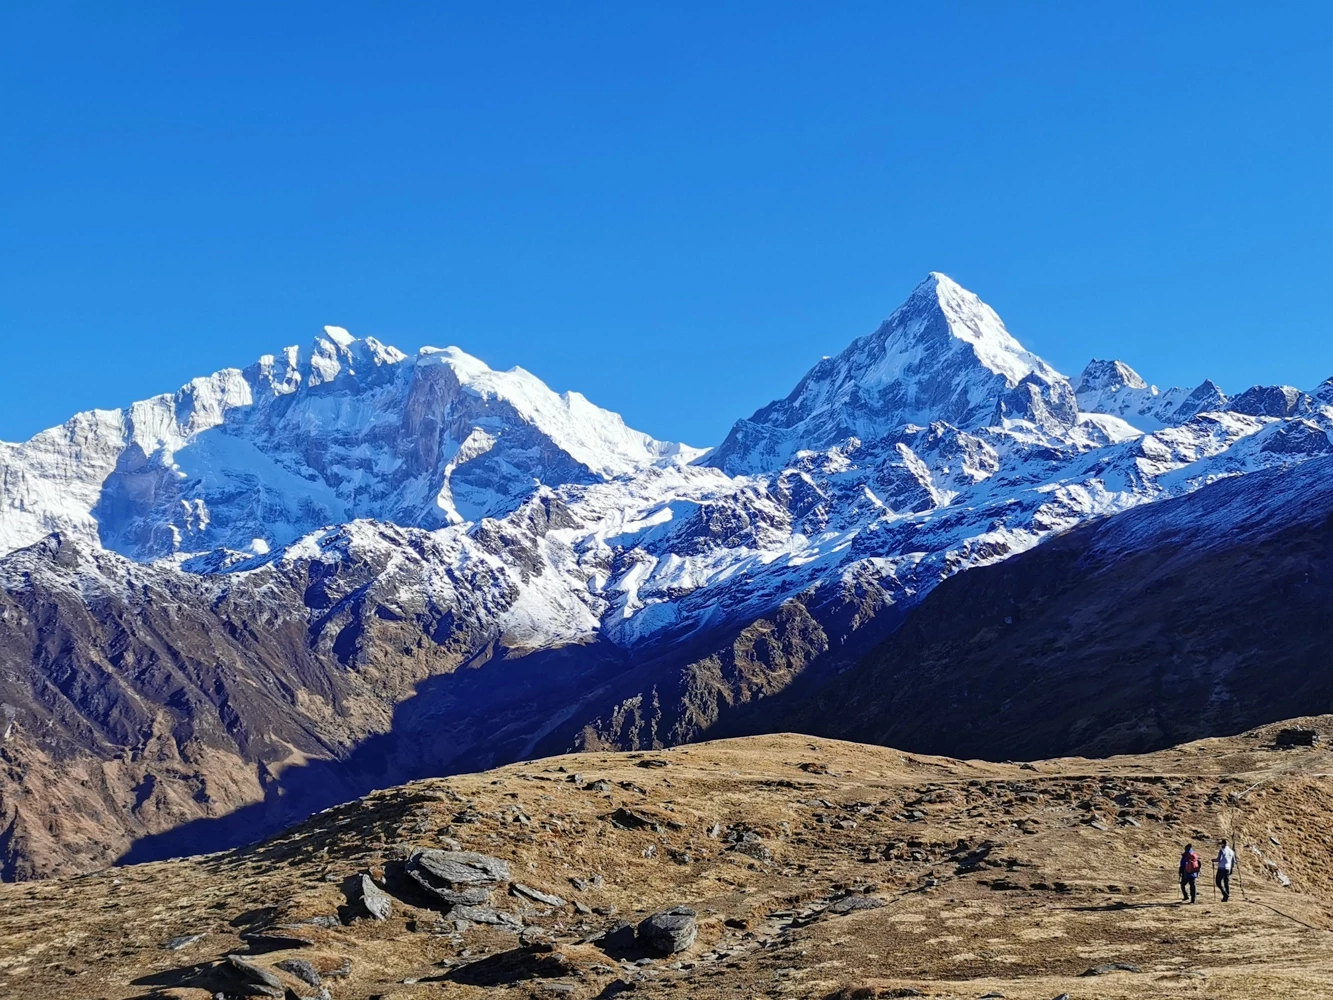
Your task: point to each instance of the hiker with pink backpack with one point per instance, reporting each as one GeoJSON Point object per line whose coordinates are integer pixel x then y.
{"type": "Point", "coordinates": [1190, 864]}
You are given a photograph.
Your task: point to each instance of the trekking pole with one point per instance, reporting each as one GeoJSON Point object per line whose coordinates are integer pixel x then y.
{"type": "Point", "coordinates": [1214, 880]}
{"type": "Point", "coordinates": [1235, 867]}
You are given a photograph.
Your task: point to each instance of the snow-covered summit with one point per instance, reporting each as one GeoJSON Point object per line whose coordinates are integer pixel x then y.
{"type": "Point", "coordinates": [252, 459]}
{"type": "Point", "coordinates": [597, 438]}
{"type": "Point", "coordinates": [943, 355]}
{"type": "Point", "coordinates": [1114, 388]}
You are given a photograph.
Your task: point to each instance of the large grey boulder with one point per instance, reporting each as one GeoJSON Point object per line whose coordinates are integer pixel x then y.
{"type": "Point", "coordinates": [378, 903]}
{"type": "Point", "coordinates": [302, 970]}
{"type": "Point", "coordinates": [460, 867]}
{"type": "Point", "coordinates": [668, 931]}
{"type": "Point", "coordinates": [468, 896]}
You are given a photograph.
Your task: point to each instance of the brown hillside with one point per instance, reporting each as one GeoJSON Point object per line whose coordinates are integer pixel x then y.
{"type": "Point", "coordinates": [817, 868]}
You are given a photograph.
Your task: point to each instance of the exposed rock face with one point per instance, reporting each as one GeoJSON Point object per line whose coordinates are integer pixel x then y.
{"type": "Point", "coordinates": [1272, 401]}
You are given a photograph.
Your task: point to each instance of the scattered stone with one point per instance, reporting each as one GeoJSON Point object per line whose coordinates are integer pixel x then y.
{"type": "Point", "coordinates": [378, 903]}
{"type": "Point", "coordinates": [1099, 825]}
{"type": "Point", "coordinates": [992, 995]}
{"type": "Point", "coordinates": [536, 939]}
{"type": "Point", "coordinates": [256, 977]}
{"type": "Point", "coordinates": [1274, 841]}
{"type": "Point", "coordinates": [669, 931]}
{"type": "Point", "coordinates": [485, 915]}
{"type": "Point", "coordinates": [1109, 967]}
{"type": "Point", "coordinates": [651, 762]}
{"type": "Point", "coordinates": [302, 970]}
{"type": "Point", "coordinates": [182, 941]}
{"type": "Point", "coordinates": [537, 895]}
{"type": "Point", "coordinates": [814, 767]}
{"type": "Point", "coordinates": [628, 819]}
{"type": "Point", "coordinates": [849, 904]}
{"type": "Point", "coordinates": [582, 908]}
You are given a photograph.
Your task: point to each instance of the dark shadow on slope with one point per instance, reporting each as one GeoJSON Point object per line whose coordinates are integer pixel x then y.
{"type": "Point", "coordinates": [506, 969]}
{"type": "Point", "coordinates": [472, 719]}
{"type": "Point", "coordinates": [214, 977]}
{"type": "Point", "coordinates": [524, 706]}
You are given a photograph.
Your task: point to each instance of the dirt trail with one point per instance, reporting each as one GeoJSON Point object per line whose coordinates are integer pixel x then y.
{"type": "Point", "coordinates": [816, 868]}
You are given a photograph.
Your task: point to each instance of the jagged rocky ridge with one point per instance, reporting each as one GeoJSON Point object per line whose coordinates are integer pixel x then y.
{"type": "Point", "coordinates": [345, 567]}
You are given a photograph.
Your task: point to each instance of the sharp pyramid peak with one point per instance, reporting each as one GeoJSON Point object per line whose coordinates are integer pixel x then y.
{"type": "Point", "coordinates": [966, 319]}
{"type": "Point", "coordinates": [938, 289]}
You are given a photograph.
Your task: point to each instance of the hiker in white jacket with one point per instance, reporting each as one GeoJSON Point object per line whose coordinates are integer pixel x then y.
{"type": "Point", "coordinates": [1226, 864]}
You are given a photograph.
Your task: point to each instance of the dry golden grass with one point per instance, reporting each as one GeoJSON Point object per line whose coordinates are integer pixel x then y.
{"type": "Point", "coordinates": [1002, 884]}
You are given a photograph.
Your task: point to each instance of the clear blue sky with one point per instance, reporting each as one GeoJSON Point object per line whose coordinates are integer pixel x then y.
{"type": "Point", "coordinates": [673, 208]}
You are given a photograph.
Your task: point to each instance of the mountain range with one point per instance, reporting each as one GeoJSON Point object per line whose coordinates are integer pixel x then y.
{"type": "Point", "coordinates": [343, 567]}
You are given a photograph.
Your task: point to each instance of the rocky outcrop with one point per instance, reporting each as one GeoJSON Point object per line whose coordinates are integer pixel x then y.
{"type": "Point", "coordinates": [668, 931]}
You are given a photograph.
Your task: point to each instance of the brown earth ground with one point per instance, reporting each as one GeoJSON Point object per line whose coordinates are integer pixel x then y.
{"type": "Point", "coordinates": [996, 879]}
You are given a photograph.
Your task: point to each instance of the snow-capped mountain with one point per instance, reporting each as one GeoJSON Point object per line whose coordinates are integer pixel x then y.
{"type": "Point", "coordinates": [250, 460]}
{"type": "Point", "coordinates": [943, 356]}
{"type": "Point", "coordinates": [934, 443]}
{"type": "Point", "coordinates": [391, 520]}
{"type": "Point", "coordinates": [1114, 387]}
